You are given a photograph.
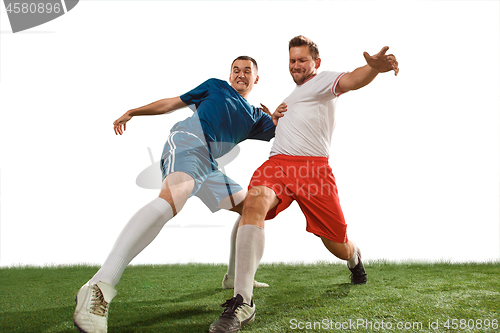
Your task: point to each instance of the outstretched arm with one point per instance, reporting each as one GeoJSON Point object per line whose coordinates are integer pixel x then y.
{"type": "Point", "coordinates": [360, 77]}
{"type": "Point", "coordinates": [159, 107]}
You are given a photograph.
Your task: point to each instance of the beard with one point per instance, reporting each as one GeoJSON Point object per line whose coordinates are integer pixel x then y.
{"type": "Point", "coordinates": [301, 78]}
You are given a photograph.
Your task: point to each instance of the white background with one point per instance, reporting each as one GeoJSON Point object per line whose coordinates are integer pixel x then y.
{"type": "Point", "coordinates": [416, 156]}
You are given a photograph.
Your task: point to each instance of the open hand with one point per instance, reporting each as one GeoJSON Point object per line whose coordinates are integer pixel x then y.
{"type": "Point", "coordinates": [120, 124]}
{"type": "Point", "coordinates": [265, 109]}
{"type": "Point", "coordinates": [274, 116]}
{"type": "Point", "coordinates": [279, 112]}
{"type": "Point", "coordinates": [382, 62]}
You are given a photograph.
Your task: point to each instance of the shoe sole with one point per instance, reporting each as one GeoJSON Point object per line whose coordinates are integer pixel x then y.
{"type": "Point", "coordinates": [249, 320]}
{"type": "Point", "coordinates": [361, 282]}
{"type": "Point", "coordinates": [78, 328]}
{"type": "Point", "coordinates": [243, 323]}
{"type": "Point", "coordinates": [74, 322]}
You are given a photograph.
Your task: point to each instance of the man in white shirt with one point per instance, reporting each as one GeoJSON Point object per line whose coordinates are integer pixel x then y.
{"type": "Point", "coordinates": [298, 170]}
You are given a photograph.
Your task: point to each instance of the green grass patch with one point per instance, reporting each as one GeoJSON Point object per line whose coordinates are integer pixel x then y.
{"type": "Point", "coordinates": [302, 298]}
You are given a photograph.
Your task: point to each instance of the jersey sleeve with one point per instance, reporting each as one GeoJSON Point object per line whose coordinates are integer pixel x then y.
{"type": "Point", "coordinates": [196, 95]}
{"type": "Point", "coordinates": [324, 85]}
{"type": "Point", "coordinates": [264, 128]}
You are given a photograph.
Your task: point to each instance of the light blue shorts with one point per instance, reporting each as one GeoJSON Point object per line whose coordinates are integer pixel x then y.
{"type": "Point", "coordinates": [186, 152]}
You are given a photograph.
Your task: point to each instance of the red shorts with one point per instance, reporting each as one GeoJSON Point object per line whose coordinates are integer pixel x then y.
{"type": "Point", "coordinates": [309, 181]}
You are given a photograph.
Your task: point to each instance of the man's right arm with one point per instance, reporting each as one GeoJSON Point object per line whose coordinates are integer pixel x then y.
{"type": "Point", "coordinates": [159, 107]}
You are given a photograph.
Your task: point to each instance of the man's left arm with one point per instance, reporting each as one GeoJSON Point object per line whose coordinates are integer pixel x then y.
{"type": "Point", "coordinates": [360, 77]}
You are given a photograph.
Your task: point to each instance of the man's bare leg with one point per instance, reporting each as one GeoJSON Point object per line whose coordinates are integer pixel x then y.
{"type": "Point", "coordinates": [344, 251]}
{"type": "Point", "coordinates": [350, 252]}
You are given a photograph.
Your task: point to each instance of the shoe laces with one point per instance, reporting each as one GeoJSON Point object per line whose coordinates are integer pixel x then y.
{"type": "Point", "coordinates": [232, 306]}
{"type": "Point", "coordinates": [357, 271]}
{"type": "Point", "coordinates": [98, 305]}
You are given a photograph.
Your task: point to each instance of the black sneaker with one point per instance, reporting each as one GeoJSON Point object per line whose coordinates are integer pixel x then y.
{"type": "Point", "coordinates": [358, 273]}
{"type": "Point", "coordinates": [234, 316]}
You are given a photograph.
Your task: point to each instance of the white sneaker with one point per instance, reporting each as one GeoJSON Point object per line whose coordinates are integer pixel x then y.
{"type": "Point", "coordinates": [235, 316]}
{"type": "Point", "coordinates": [228, 283]}
{"type": "Point", "coordinates": [92, 303]}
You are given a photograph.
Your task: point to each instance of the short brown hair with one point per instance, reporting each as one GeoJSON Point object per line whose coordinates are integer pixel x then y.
{"type": "Point", "coordinates": [246, 58]}
{"type": "Point", "coordinates": [301, 41]}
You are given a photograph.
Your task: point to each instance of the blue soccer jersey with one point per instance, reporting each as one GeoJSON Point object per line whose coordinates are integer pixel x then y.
{"type": "Point", "coordinates": [223, 117]}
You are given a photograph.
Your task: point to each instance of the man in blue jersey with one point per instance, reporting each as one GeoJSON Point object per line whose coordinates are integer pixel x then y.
{"type": "Point", "coordinates": [222, 119]}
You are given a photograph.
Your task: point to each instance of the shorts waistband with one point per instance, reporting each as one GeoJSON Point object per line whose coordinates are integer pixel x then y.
{"type": "Point", "coordinates": [300, 158]}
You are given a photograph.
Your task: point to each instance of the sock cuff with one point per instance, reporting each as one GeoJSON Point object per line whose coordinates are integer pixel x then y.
{"type": "Point", "coordinates": [250, 227]}
{"type": "Point", "coordinates": [161, 205]}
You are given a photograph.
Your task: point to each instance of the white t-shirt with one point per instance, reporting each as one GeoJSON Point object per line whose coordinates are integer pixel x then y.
{"type": "Point", "coordinates": [306, 127]}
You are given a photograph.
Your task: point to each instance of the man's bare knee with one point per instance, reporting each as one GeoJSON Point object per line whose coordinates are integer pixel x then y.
{"type": "Point", "coordinates": [166, 195]}
{"type": "Point", "coordinates": [258, 202]}
{"type": "Point", "coordinates": [176, 189]}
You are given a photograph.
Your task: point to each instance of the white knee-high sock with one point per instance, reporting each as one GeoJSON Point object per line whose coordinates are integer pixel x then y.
{"type": "Point", "coordinates": [353, 261]}
{"type": "Point", "coordinates": [249, 250]}
{"type": "Point", "coordinates": [232, 249]}
{"type": "Point", "coordinates": [141, 229]}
